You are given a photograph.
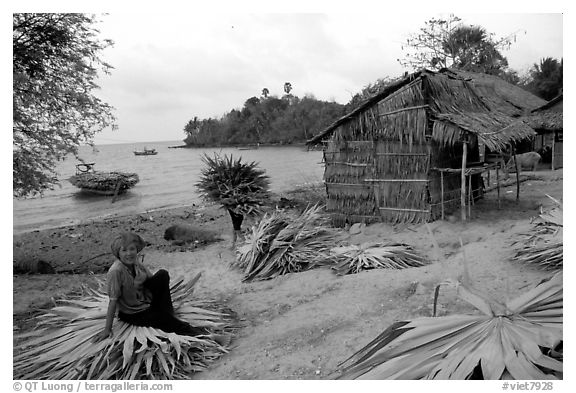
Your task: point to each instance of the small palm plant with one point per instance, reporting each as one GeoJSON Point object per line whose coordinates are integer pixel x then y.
{"type": "Point", "coordinates": [521, 339]}
{"type": "Point", "coordinates": [62, 348]}
{"type": "Point", "coordinates": [241, 188]}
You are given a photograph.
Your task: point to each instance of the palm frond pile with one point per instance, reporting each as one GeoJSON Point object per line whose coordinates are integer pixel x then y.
{"type": "Point", "coordinates": [355, 258]}
{"type": "Point", "coordinates": [105, 181]}
{"type": "Point", "coordinates": [543, 247]}
{"type": "Point", "coordinates": [284, 243]}
{"type": "Point", "coordinates": [521, 339]}
{"type": "Point", "coordinates": [236, 185]}
{"type": "Point", "coordinates": [62, 348]}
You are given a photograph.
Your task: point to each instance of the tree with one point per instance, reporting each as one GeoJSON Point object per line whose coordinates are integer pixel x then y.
{"type": "Point", "coordinates": [55, 66]}
{"type": "Point", "coordinates": [287, 87]}
{"type": "Point", "coordinates": [472, 49]}
{"type": "Point", "coordinates": [265, 92]}
{"type": "Point", "coordinates": [370, 90]}
{"type": "Point", "coordinates": [445, 43]}
{"type": "Point", "coordinates": [547, 78]}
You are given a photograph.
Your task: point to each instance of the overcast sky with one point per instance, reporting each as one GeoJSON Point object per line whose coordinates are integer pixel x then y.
{"type": "Point", "coordinates": [170, 67]}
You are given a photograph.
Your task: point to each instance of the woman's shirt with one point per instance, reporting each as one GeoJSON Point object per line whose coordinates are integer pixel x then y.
{"type": "Point", "coordinates": [127, 288]}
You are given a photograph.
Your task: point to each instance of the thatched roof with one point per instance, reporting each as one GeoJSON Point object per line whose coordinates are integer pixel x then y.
{"type": "Point", "coordinates": [462, 103]}
{"type": "Point", "coordinates": [547, 117]}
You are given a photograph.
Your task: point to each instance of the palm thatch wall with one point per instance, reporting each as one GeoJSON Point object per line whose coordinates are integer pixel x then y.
{"type": "Point", "coordinates": [548, 122]}
{"type": "Point", "coordinates": [383, 159]}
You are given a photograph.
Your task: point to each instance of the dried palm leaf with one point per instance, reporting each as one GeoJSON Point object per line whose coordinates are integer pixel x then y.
{"type": "Point", "coordinates": [61, 347]}
{"type": "Point", "coordinates": [520, 340]}
{"type": "Point", "coordinates": [283, 243]}
{"type": "Point", "coordinates": [105, 181]}
{"type": "Point", "coordinates": [543, 255]}
{"type": "Point", "coordinates": [543, 247]}
{"type": "Point", "coordinates": [353, 258]}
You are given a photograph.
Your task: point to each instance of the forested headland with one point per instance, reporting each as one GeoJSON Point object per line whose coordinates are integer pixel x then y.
{"type": "Point", "coordinates": [265, 120]}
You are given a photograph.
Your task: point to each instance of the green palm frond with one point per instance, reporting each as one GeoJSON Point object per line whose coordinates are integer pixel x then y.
{"type": "Point", "coordinates": [522, 340]}
{"type": "Point", "coordinates": [353, 258]}
{"type": "Point", "coordinates": [236, 185]}
{"type": "Point", "coordinates": [61, 347]}
{"type": "Point", "coordinates": [283, 243]}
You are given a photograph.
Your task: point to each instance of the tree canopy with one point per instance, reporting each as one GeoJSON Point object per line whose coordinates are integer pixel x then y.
{"type": "Point", "coordinates": [55, 67]}
{"type": "Point", "coordinates": [546, 78]}
{"type": "Point", "coordinates": [268, 119]}
{"type": "Point", "coordinates": [446, 43]}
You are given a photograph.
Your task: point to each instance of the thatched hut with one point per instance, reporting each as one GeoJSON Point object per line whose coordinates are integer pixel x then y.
{"type": "Point", "coordinates": [547, 121]}
{"type": "Point", "coordinates": [414, 151]}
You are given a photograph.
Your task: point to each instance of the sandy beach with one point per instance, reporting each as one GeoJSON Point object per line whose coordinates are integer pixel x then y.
{"type": "Point", "coordinates": [301, 325]}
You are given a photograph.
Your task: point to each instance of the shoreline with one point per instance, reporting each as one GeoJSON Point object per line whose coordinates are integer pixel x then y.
{"type": "Point", "coordinates": [83, 247]}
{"type": "Point", "coordinates": [93, 220]}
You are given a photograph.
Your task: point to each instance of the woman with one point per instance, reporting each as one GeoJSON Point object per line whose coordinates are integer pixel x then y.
{"type": "Point", "coordinates": [141, 298]}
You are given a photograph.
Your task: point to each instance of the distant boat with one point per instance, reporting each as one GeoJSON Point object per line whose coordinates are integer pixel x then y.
{"type": "Point", "coordinates": [102, 183]}
{"type": "Point", "coordinates": [250, 147]}
{"type": "Point", "coordinates": [146, 152]}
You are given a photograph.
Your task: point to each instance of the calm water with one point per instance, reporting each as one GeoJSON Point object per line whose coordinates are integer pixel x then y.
{"type": "Point", "coordinates": [166, 180]}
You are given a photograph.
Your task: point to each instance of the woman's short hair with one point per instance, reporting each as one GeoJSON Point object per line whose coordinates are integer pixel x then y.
{"type": "Point", "coordinates": [124, 240]}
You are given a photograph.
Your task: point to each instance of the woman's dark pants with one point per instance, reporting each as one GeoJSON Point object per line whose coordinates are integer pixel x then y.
{"type": "Point", "coordinates": [160, 315]}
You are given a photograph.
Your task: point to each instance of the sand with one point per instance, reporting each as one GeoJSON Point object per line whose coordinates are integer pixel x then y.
{"type": "Point", "coordinates": [301, 325]}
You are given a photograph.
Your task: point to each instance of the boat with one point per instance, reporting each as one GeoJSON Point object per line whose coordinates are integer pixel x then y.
{"type": "Point", "coordinates": [146, 152]}
{"type": "Point", "coordinates": [102, 183]}
{"type": "Point", "coordinates": [249, 147]}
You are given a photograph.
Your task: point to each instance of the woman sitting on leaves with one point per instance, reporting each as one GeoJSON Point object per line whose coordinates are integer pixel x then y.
{"type": "Point", "coordinates": [143, 298]}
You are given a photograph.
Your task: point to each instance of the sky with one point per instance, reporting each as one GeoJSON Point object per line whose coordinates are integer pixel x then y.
{"type": "Point", "coordinates": [171, 66]}
{"type": "Point", "coordinates": [173, 62]}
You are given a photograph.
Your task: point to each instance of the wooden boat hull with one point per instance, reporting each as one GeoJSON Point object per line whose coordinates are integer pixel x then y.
{"type": "Point", "coordinates": [145, 153]}
{"type": "Point", "coordinates": [102, 192]}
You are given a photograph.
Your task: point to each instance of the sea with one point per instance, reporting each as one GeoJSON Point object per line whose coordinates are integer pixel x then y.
{"type": "Point", "coordinates": [167, 180]}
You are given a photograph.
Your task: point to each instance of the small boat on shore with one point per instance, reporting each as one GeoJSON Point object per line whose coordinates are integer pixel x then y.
{"type": "Point", "coordinates": [102, 183]}
{"type": "Point", "coordinates": [145, 152]}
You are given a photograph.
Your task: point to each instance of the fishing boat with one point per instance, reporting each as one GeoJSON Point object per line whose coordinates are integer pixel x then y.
{"type": "Point", "coordinates": [249, 147]}
{"type": "Point", "coordinates": [146, 152]}
{"type": "Point", "coordinates": [102, 183]}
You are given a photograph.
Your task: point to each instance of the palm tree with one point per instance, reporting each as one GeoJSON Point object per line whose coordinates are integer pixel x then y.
{"type": "Point", "coordinates": [265, 92]}
{"type": "Point", "coordinates": [471, 48]}
{"type": "Point", "coordinates": [241, 188]}
{"type": "Point", "coordinates": [287, 87]}
{"type": "Point", "coordinates": [547, 78]}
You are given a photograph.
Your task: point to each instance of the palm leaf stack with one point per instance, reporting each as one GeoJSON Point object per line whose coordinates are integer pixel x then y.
{"type": "Point", "coordinates": [543, 247]}
{"type": "Point", "coordinates": [105, 181]}
{"type": "Point", "coordinates": [62, 348]}
{"type": "Point", "coordinates": [355, 258]}
{"type": "Point", "coordinates": [284, 243]}
{"type": "Point", "coordinates": [236, 185]}
{"type": "Point", "coordinates": [521, 339]}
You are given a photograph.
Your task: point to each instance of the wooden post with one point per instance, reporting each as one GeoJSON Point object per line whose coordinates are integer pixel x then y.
{"type": "Point", "coordinates": [117, 190]}
{"type": "Point", "coordinates": [463, 181]}
{"type": "Point", "coordinates": [517, 173]}
{"type": "Point", "coordinates": [442, 192]}
{"type": "Point", "coordinates": [553, 147]}
{"type": "Point", "coordinates": [470, 197]}
{"type": "Point", "coordinates": [498, 183]}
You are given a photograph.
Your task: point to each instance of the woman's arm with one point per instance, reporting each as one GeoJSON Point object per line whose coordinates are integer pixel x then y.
{"type": "Point", "coordinates": [107, 332]}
